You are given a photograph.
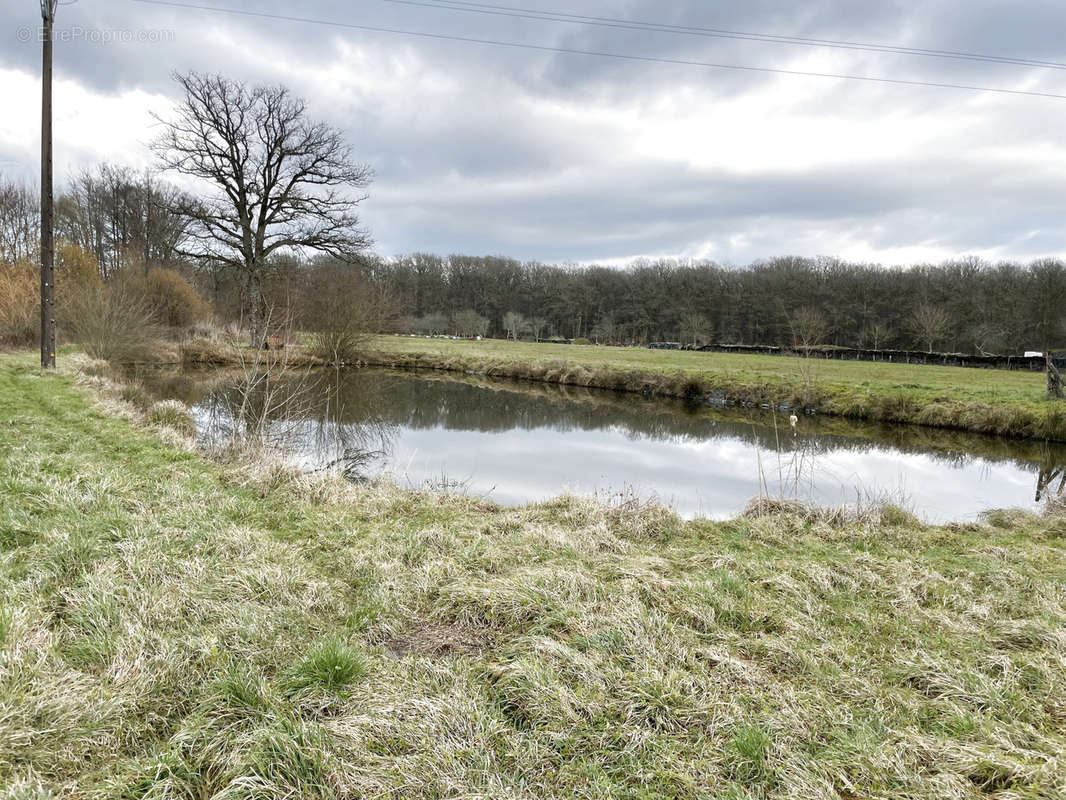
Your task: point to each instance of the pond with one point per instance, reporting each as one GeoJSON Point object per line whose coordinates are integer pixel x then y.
{"type": "Point", "coordinates": [514, 442]}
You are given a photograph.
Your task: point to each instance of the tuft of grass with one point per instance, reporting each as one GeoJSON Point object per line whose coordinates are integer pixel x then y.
{"type": "Point", "coordinates": [241, 690]}
{"type": "Point", "coordinates": [137, 395]}
{"type": "Point", "coordinates": [172, 414]}
{"type": "Point", "coordinates": [330, 667]}
{"type": "Point", "coordinates": [749, 748]}
{"type": "Point", "coordinates": [895, 516]}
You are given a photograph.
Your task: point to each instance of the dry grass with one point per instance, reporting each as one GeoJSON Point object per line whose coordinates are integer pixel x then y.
{"type": "Point", "coordinates": [173, 628]}
{"type": "Point", "coordinates": [20, 304]}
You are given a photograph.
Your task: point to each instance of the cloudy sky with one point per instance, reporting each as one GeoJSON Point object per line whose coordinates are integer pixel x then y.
{"type": "Point", "coordinates": [480, 148]}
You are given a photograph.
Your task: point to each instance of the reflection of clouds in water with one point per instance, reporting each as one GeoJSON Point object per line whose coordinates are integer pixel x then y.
{"type": "Point", "coordinates": [714, 478]}
{"type": "Point", "coordinates": [938, 492]}
{"type": "Point", "coordinates": [515, 447]}
{"type": "Point", "coordinates": [313, 439]}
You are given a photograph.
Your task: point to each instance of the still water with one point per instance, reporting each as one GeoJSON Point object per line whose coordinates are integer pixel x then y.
{"type": "Point", "coordinates": [514, 443]}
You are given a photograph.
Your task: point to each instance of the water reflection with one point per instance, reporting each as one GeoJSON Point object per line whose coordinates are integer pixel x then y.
{"type": "Point", "coordinates": [313, 415]}
{"type": "Point", "coordinates": [1050, 481]}
{"type": "Point", "coordinates": [517, 442]}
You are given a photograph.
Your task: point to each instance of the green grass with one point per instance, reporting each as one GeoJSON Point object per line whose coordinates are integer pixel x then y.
{"type": "Point", "coordinates": [330, 668]}
{"type": "Point", "coordinates": [989, 401]}
{"type": "Point", "coordinates": [172, 627]}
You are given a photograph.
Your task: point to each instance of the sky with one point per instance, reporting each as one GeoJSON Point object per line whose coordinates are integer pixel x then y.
{"type": "Point", "coordinates": [565, 157]}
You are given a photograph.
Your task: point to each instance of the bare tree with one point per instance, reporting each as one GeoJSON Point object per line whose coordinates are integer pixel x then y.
{"type": "Point", "coordinates": [470, 323]}
{"type": "Point", "coordinates": [537, 326]}
{"type": "Point", "coordinates": [604, 330]}
{"type": "Point", "coordinates": [808, 328]}
{"type": "Point", "coordinates": [435, 324]}
{"type": "Point", "coordinates": [20, 221]}
{"type": "Point", "coordinates": [282, 183]}
{"type": "Point", "coordinates": [879, 332]}
{"type": "Point", "coordinates": [929, 323]}
{"type": "Point", "coordinates": [988, 339]}
{"type": "Point", "coordinates": [514, 324]}
{"type": "Point", "coordinates": [695, 328]}
{"type": "Point", "coordinates": [1047, 290]}
{"type": "Point", "coordinates": [122, 217]}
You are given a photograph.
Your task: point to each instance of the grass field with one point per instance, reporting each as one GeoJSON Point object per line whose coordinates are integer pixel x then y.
{"type": "Point", "coordinates": [172, 627]}
{"type": "Point", "coordinates": [1002, 402]}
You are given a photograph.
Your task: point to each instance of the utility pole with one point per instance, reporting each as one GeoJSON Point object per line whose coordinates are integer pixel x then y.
{"type": "Point", "coordinates": [48, 288]}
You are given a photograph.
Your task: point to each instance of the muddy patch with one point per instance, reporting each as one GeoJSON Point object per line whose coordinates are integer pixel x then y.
{"type": "Point", "coordinates": [437, 640]}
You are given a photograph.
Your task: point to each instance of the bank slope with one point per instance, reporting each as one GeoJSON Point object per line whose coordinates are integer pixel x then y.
{"type": "Point", "coordinates": [1001, 402]}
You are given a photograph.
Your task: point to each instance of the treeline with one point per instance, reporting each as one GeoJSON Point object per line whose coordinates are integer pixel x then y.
{"type": "Point", "coordinates": [118, 228]}
{"type": "Point", "coordinates": [965, 305]}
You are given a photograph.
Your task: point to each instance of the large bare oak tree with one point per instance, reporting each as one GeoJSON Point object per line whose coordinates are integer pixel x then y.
{"type": "Point", "coordinates": [282, 182]}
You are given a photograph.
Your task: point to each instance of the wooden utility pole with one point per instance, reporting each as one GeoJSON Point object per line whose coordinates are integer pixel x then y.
{"type": "Point", "coordinates": [48, 288]}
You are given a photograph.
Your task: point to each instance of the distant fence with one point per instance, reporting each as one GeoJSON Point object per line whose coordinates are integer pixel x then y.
{"type": "Point", "coordinates": [1026, 363]}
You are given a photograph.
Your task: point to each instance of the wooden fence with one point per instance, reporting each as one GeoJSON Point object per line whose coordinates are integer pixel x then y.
{"type": "Point", "coordinates": [1028, 363]}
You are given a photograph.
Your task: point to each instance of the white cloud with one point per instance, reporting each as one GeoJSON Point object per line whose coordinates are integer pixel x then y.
{"type": "Point", "coordinates": [88, 125]}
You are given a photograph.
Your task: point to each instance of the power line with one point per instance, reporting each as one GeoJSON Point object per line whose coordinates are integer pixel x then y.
{"type": "Point", "coordinates": [599, 53]}
{"type": "Point", "coordinates": [717, 33]}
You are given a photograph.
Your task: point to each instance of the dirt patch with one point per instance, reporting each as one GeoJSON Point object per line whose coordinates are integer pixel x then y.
{"type": "Point", "coordinates": [439, 640]}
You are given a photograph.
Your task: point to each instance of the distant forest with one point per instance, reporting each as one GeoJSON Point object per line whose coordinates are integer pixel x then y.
{"type": "Point", "coordinates": [120, 223]}
{"type": "Point", "coordinates": [966, 305]}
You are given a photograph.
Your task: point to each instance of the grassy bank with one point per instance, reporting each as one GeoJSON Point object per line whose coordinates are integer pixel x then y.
{"type": "Point", "coordinates": [1001, 402]}
{"type": "Point", "coordinates": [655, 416]}
{"type": "Point", "coordinates": [175, 628]}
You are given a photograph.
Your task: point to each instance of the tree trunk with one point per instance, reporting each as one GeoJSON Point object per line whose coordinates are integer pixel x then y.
{"type": "Point", "coordinates": [1054, 378]}
{"type": "Point", "coordinates": [256, 315]}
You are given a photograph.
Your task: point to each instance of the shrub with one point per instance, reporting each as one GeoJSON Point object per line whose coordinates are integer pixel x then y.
{"type": "Point", "coordinates": [76, 267]}
{"type": "Point", "coordinates": [337, 346]}
{"type": "Point", "coordinates": [19, 304]}
{"type": "Point", "coordinates": [173, 300]}
{"type": "Point", "coordinates": [111, 322]}
{"type": "Point", "coordinates": [77, 276]}
{"type": "Point", "coordinates": [581, 340]}
{"type": "Point", "coordinates": [341, 310]}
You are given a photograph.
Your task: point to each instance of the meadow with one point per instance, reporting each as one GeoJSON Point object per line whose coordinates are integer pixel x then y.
{"type": "Point", "coordinates": [173, 626]}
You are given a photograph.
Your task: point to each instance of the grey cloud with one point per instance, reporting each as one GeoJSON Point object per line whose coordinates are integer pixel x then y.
{"type": "Point", "coordinates": [665, 208]}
